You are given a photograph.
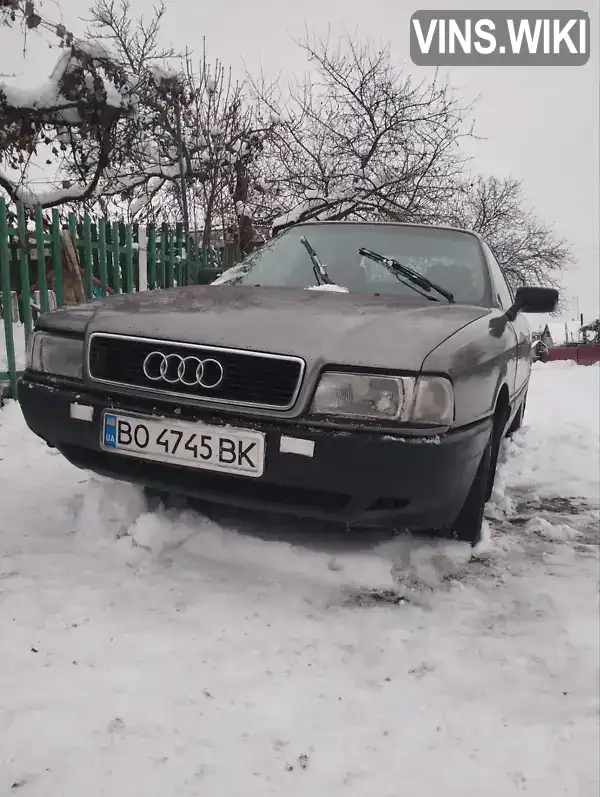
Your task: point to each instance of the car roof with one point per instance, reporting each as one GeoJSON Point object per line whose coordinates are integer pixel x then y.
{"type": "Point", "coordinates": [312, 223]}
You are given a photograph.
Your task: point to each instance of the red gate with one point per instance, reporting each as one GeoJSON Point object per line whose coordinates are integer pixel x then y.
{"type": "Point", "coordinates": [583, 354]}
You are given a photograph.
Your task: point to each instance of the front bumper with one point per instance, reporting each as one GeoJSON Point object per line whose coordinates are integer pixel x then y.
{"type": "Point", "coordinates": [360, 478]}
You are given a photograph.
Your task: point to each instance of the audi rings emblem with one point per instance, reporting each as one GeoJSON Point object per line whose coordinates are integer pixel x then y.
{"type": "Point", "coordinates": [188, 371]}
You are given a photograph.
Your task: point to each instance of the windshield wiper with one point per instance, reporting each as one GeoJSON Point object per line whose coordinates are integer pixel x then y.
{"type": "Point", "coordinates": [409, 273]}
{"type": "Point", "coordinates": [321, 274]}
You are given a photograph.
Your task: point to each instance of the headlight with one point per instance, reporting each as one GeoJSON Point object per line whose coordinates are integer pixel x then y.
{"type": "Point", "coordinates": [54, 354]}
{"type": "Point", "coordinates": [428, 399]}
{"type": "Point", "coordinates": [363, 396]}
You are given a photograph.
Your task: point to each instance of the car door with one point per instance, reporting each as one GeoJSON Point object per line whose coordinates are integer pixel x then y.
{"type": "Point", "coordinates": [525, 355]}
{"type": "Point", "coordinates": [520, 352]}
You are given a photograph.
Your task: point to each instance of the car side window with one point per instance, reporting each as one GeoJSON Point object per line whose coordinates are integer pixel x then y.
{"type": "Point", "coordinates": [502, 292]}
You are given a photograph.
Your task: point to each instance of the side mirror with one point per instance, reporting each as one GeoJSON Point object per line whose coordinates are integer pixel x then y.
{"type": "Point", "coordinates": [533, 300]}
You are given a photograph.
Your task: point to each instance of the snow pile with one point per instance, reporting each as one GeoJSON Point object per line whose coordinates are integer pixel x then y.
{"type": "Point", "coordinates": [152, 651]}
{"type": "Point", "coordinates": [544, 528]}
{"type": "Point", "coordinates": [328, 287]}
{"type": "Point", "coordinates": [556, 453]}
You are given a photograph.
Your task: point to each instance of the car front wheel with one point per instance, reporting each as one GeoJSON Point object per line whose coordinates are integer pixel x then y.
{"type": "Point", "coordinates": [518, 419]}
{"type": "Point", "coordinates": [468, 524]}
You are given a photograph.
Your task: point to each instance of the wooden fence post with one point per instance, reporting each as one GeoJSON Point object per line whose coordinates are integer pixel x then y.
{"type": "Point", "coordinates": [57, 277]}
{"type": "Point", "coordinates": [24, 273]}
{"type": "Point", "coordinates": [73, 290]}
{"type": "Point", "coordinates": [6, 298]}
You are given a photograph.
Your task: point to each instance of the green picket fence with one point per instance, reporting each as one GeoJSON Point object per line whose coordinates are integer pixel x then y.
{"type": "Point", "coordinates": [113, 258]}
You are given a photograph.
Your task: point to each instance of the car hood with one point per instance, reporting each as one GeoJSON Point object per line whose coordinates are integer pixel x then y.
{"type": "Point", "coordinates": [319, 326]}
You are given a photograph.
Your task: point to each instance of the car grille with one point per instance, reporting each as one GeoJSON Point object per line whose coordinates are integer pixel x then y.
{"type": "Point", "coordinates": [248, 378]}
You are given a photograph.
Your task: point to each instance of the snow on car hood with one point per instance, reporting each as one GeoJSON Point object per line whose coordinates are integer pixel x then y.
{"type": "Point", "coordinates": [328, 287]}
{"type": "Point", "coordinates": [320, 326]}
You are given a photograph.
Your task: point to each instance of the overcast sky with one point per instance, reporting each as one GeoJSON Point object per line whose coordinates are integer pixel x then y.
{"type": "Point", "coordinates": [540, 124]}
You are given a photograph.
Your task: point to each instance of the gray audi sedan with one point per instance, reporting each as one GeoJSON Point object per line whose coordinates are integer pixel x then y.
{"type": "Point", "coordinates": [358, 372]}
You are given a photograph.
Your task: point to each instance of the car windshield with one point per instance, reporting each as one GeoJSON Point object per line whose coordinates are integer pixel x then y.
{"type": "Point", "coordinates": [451, 258]}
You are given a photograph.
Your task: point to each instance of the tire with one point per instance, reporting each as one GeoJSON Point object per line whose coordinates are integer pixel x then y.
{"type": "Point", "coordinates": [467, 526]}
{"type": "Point", "coordinates": [517, 422]}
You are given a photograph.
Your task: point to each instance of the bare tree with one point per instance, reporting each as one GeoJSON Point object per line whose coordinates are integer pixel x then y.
{"type": "Point", "coordinates": [222, 141]}
{"type": "Point", "coordinates": [129, 125]}
{"type": "Point", "coordinates": [197, 137]}
{"type": "Point", "coordinates": [143, 157]}
{"type": "Point", "coordinates": [361, 140]}
{"type": "Point", "coordinates": [590, 333]}
{"type": "Point", "coordinates": [526, 248]}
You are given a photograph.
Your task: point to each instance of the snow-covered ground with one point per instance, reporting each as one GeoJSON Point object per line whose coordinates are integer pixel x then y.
{"type": "Point", "coordinates": [19, 344]}
{"type": "Point", "coordinates": [164, 653]}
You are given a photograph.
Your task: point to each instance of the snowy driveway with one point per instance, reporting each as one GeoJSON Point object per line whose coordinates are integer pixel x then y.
{"type": "Point", "coordinates": [151, 654]}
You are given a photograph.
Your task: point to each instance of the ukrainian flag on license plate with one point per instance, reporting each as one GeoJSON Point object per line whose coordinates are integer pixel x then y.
{"type": "Point", "coordinates": [110, 430]}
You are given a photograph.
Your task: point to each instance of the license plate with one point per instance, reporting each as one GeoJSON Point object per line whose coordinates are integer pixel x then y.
{"type": "Point", "coordinates": [188, 444]}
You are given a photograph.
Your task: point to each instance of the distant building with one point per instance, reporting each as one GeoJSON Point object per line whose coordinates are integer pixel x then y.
{"type": "Point", "coordinates": [543, 336]}
{"type": "Point", "coordinates": [559, 333]}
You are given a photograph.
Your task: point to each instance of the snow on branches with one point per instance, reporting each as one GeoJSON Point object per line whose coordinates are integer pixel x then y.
{"type": "Point", "coordinates": [85, 96]}
{"type": "Point", "coordinates": [126, 124]}
{"type": "Point", "coordinates": [118, 123]}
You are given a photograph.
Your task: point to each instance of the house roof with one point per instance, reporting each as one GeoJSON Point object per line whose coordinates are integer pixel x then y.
{"type": "Point", "coordinates": [564, 331]}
